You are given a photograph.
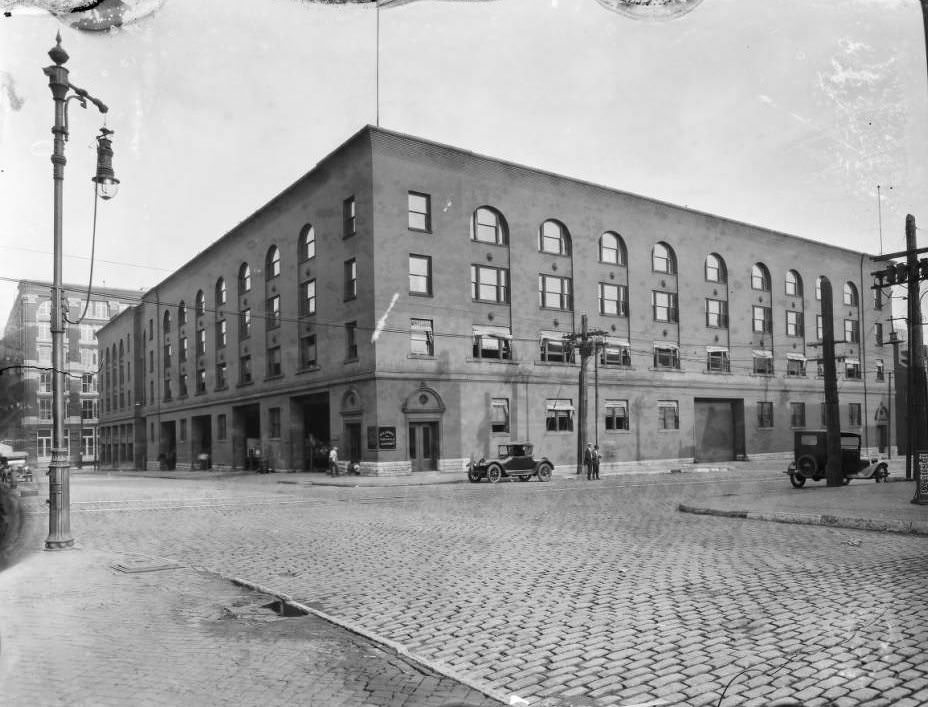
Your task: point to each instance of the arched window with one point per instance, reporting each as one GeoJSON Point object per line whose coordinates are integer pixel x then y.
{"type": "Point", "coordinates": [850, 294]}
{"type": "Point", "coordinates": [793, 283]}
{"type": "Point", "coordinates": [220, 291]}
{"type": "Point", "coordinates": [818, 287]}
{"type": "Point", "coordinates": [166, 325]}
{"type": "Point", "coordinates": [715, 268]}
{"type": "Point", "coordinates": [760, 277]}
{"type": "Point", "coordinates": [181, 313]}
{"type": "Point", "coordinates": [307, 244]}
{"type": "Point", "coordinates": [244, 278]}
{"type": "Point", "coordinates": [489, 226]}
{"type": "Point", "coordinates": [662, 259]}
{"type": "Point", "coordinates": [553, 238]}
{"type": "Point", "coordinates": [611, 249]}
{"type": "Point", "coordinates": [272, 263]}
{"type": "Point", "coordinates": [201, 303]}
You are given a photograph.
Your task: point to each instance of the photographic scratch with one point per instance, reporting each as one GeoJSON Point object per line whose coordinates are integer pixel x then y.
{"type": "Point", "coordinates": [8, 88]}
{"type": "Point", "coordinates": [383, 320]}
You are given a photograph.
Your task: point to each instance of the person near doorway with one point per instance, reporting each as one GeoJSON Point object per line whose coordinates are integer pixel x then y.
{"type": "Point", "coordinates": [333, 461]}
{"type": "Point", "coordinates": [588, 460]}
{"type": "Point", "coordinates": [596, 458]}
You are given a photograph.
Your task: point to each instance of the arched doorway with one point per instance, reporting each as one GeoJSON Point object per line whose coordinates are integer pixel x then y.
{"type": "Point", "coordinates": [423, 410]}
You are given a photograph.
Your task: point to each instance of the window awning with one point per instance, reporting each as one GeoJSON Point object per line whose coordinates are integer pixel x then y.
{"type": "Point", "coordinates": [665, 345]}
{"type": "Point", "coordinates": [501, 331]}
{"type": "Point", "coordinates": [613, 341]}
{"type": "Point", "coordinates": [795, 357]}
{"type": "Point", "coordinates": [852, 362]}
{"type": "Point", "coordinates": [616, 404]}
{"type": "Point", "coordinates": [552, 335]}
{"type": "Point", "coordinates": [717, 349]}
{"type": "Point", "coordinates": [763, 354]}
{"type": "Point", "coordinates": [560, 405]}
{"type": "Point", "coordinates": [422, 324]}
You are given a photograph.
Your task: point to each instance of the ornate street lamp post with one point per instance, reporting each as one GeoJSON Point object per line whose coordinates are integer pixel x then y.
{"type": "Point", "coordinates": [59, 494]}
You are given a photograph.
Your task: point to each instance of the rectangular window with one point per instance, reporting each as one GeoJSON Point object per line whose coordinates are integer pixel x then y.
{"type": "Point", "coordinates": [420, 216]}
{"type": "Point", "coordinates": [555, 292]}
{"type": "Point", "coordinates": [44, 354]}
{"type": "Point", "coordinates": [852, 369]}
{"type": "Point", "coordinates": [221, 334]}
{"type": "Point", "coordinates": [716, 314]}
{"type": "Point", "coordinates": [45, 382]}
{"type": "Point", "coordinates": [499, 415]}
{"type": "Point", "coordinates": [664, 306]}
{"type": "Point", "coordinates": [183, 430]}
{"type": "Point", "coordinates": [167, 390]}
{"type": "Point", "coordinates": [492, 343]}
{"type": "Point", "coordinates": [614, 353]}
{"type": "Point", "coordinates": [489, 284]}
{"type": "Point", "coordinates": [420, 274]}
{"type": "Point", "coordinates": [851, 331]}
{"type": "Point", "coordinates": [244, 369]}
{"type": "Point", "coordinates": [668, 415]}
{"type": "Point", "coordinates": [717, 360]}
{"type": "Point", "coordinates": [308, 298]}
{"type": "Point", "coordinates": [182, 387]}
{"type": "Point", "coordinates": [88, 444]}
{"type": "Point", "coordinates": [555, 350]}
{"type": "Point", "coordinates": [308, 351]}
{"type": "Point", "coordinates": [221, 428]}
{"type": "Point", "coordinates": [88, 383]}
{"type": "Point", "coordinates": [201, 342]}
{"type": "Point", "coordinates": [559, 415]}
{"type": "Point", "coordinates": [765, 414]}
{"type": "Point", "coordinates": [44, 443]}
{"type": "Point", "coordinates": [182, 349]}
{"type": "Point", "coordinates": [273, 417]}
{"type": "Point", "coordinates": [88, 409]}
{"type": "Point", "coordinates": [666, 356]}
{"type": "Point", "coordinates": [420, 337]}
{"type": "Point", "coordinates": [613, 299]}
{"type": "Point", "coordinates": [349, 217]}
{"type": "Point", "coordinates": [823, 415]}
{"type": "Point", "coordinates": [221, 381]}
{"type": "Point", "coordinates": [763, 363]}
{"type": "Point", "coordinates": [795, 367]}
{"type": "Point", "coordinates": [201, 380]}
{"type": "Point", "coordinates": [819, 328]}
{"type": "Point", "coordinates": [763, 319]}
{"type": "Point", "coordinates": [244, 324]}
{"type": "Point", "coordinates": [878, 298]}
{"type": "Point", "coordinates": [878, 333]}
{"type": "Point", "coordinates": [272, 312]}
{"type": "Point", "coordinates": [880, 370]}
{"type": "Point", "coordinates": [273, 362]}
{"type": "Point", "coordinates": [616, 415]}
{"type": "Point", "coordinates": [45, 408]}
{"type": "Point", "coordinates": [853, 412]}
{"type": "Point", "coordinates": [797, 414]}
{"type": "Point", "coordinates": [794, 324]}
{"type": "Point", "coordinates": [89, 358]}
{"type": "Point", "coordinates": [351, 340]}
{"type": "Point", "coordinates": [351, 279]}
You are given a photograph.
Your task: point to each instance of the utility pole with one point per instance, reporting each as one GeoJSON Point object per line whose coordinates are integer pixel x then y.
{"type": "Point", "coordinates": [833, 471]}
{"type": "Point", "coordinates": [917, 447]}
{"type": "Point", "coordinates": [584, 341]}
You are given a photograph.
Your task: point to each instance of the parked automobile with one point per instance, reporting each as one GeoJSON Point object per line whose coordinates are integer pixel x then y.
{"type": "Point", "coordinates": [811, 459]}
{"type": "Point", "coordinates": [14, 469]}
{"type": "Point", "coordinates": [515, 460]}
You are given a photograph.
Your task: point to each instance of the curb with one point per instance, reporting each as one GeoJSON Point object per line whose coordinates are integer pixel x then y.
{"type": "Point", "coordinates": [905, 527]}
{"type": "Point", "coordinates": [434, 666]}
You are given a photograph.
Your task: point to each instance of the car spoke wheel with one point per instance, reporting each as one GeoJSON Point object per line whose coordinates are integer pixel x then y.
{"type": "Point", "coordinates": [806, 465]}
{"type": "Point", "coordinates": [797, 480]}
{"type": "Point", "coordinates": [494, 473]}
{"type": "Point", "coordinates": [473, 475]}
{"type": "Point", "coordinates": [544, 473]}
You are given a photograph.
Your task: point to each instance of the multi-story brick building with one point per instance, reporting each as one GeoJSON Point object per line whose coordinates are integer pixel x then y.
{"type": "Point", "coordinates": [28, 346]}
{"type": "Point", "coordinates": [407, 301]}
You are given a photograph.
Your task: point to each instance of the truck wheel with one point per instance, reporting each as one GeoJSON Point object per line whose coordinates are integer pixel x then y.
{"type": "Point", "coordinates": [544, 473]}
{"type": "Point", "coordinates": [797, 480]}
{"type": "Point", "coordinates": [806, 465]}
{"type": "Point", "coordinates": [494, 473]}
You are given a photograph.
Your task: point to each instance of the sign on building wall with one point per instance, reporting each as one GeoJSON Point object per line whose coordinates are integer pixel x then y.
{"type": "Point", "coordinates": [387, 437]}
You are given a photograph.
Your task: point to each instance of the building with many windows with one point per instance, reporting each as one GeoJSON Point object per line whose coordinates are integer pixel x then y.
{"type": "Point", "coordinates": [408, 302]}
{"type": "Point", "coordinates": [27, 343]}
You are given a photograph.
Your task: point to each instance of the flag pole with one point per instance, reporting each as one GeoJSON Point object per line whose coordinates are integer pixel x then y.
{"type": "Point", "coordinates": [377, 71]}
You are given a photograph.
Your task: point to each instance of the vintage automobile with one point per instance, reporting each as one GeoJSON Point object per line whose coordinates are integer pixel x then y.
{"type": "Point", "coordinates": [514, 460]}
{"type": "Point", "coordinates": [811, 459]}
{"type": "Point", "coordinates": [14, 469]}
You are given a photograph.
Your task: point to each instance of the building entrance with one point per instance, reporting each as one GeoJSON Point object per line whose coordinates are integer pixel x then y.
{"type": "Point", "coordinates": [167, 451]}
{"type": "Point", "coordinates": [423, 446]}
{"type": "Point", "coordinates": [311, 445]}
{"type": "Point", "coordinates": [201, 440]}
{"type": "Point", "coordinates": [719, 429]}
{"type": "Point", "coordinates": [246, 434]}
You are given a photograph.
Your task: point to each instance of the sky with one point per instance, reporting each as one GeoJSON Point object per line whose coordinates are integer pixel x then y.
{"type": "Point", "coordinates": [782, 114]}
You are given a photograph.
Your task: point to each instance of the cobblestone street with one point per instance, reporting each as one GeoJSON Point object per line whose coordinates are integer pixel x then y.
{"type": "Point", "coordinates": [566, 593]}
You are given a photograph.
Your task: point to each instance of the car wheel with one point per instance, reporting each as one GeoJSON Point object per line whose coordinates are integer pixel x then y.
{"type": "Point", "coordinates": [473, 475]}
{"type": "Point", "coordinates": [807, 465]}
{"type": "Point", "coordinates": [544, 472]}
{"type": "Point", "coordinates": [881, 474]}
{"type": "Point", "coordinates": [494, 473]}
{"type": "Point", "coordinates": [797, 480]}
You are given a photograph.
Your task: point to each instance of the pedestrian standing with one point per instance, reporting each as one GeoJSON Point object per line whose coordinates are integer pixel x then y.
{"type": "Point", "coordinates": [596, 457]}
{"type": "Point", "coordinates": [588, 460]}
{"type": "Point", "coordinates": [333, 461]}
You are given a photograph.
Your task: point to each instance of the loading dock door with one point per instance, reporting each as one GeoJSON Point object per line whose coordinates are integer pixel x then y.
{"type": "Point", "coordinates": [715, 430]}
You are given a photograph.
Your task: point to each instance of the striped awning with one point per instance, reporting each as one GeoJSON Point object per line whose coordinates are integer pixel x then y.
{"type": "Point", "coordinates": [717, 349]}
{"type": "Point", "coordinates": [613, 341]}
{"type": "Point", "coordinates": [499, 331]}
{"type": "Point", "coordinates": [795, 357]}
{"type": "Point", "coordinates": [762, 354]}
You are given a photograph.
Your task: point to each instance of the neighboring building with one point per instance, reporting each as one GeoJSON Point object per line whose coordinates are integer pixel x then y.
{"type": "Point", "coordinates": [407, 301]}
{"type": "Point", "coordinates": [27, 345]}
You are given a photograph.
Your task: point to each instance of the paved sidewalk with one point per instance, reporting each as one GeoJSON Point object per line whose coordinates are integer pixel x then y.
{"type": "Point", "coordinates": [862, 505]}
